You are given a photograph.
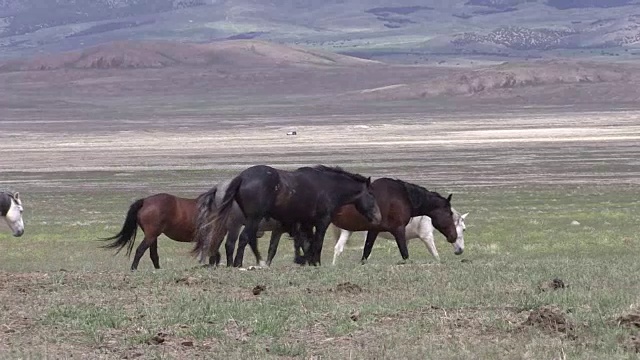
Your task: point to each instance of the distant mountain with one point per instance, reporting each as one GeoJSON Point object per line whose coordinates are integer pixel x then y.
{"type": "Point", "coordinates": [407, 30]}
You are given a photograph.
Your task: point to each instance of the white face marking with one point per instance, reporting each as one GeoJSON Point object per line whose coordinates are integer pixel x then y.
{"type": "Point", "coordinates": [460, 228]}
{"type": "Point", "coordinates": [14, 217]}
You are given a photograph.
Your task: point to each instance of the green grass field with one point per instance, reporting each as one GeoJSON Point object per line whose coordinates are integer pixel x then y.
{"type": "Point", "coordinates": [64, 297]}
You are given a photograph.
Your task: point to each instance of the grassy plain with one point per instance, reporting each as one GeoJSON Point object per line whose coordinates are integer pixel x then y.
{"type": "Point", "coordinates": [523, 181]}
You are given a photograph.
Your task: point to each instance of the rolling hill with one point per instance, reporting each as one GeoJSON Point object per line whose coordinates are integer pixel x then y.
{"type": "Point", "coordinates": [159, 54]}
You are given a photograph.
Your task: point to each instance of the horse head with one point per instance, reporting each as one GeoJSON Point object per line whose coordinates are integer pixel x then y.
{"type": "Point", "coordinates": [443, 219]}
{"type": "Point", "coordinates": [354, 189]}
{"type": "Point", "coordinates": [458, 245]}
{"type": "Point", "coordinates": [11, 209]}
{"type": "Point", "coordinates": [367, 205]}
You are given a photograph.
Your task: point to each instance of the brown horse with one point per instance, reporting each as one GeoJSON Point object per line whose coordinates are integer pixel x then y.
{"type": "Point", "coordinates": [161, 214]}
{"type": "Point", "coordinates": [399, 201]}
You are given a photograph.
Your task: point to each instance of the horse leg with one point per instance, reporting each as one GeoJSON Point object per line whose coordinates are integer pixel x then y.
{"type": "Point", "coordinates": [273, 245]}
{"type": "Point", "coordinates": [298, 257]}
{"type": "Point", "coordinates": [253, 244]}
{"type": "Point", "coordinates": [153, 254]}
{"type": "Point", "coordinates": [401, 240]}
{"type": "Point", "coordinates": [144, 245]}
{"type": "Point", "coordinates": [318, 240]}
{"type": "Point", "coordinates": [230, 245]}
{"type": "Point", "coordinates": [368, 245]}
{"type": "Point", "coordinates": [302, 245]}
{"type": "Point", "coordinates": [214, 260]}
{"type": "Point", "coordinates": [342, 240]}
{"type": "Point", "coordinates": [427, 239]}
{"type": "Point", "coordinates": [250, 231]}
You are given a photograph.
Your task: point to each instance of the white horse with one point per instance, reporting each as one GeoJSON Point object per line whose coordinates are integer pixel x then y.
{"type": "Point", "coordinates": [11, 211]}
{"type": "Point", "coordinates": [418, 227]}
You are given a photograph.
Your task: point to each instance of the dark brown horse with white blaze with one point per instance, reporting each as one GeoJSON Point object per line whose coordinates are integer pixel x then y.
{"type": "Point", "coordinates": [300, 199]}
{"type": "Point", "coordinates": [161, 214]}
{"type": "Point", "coordinates": [399, 201]}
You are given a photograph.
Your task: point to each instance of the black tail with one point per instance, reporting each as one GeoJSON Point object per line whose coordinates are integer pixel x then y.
{"type": "Point", "coordinates": [128, 233]}
{"type": "Point", "coordinates": [211, 226]}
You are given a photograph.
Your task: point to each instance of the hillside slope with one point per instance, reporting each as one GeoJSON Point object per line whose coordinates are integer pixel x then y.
{"type": "Point", "coordinates": [502, 28]}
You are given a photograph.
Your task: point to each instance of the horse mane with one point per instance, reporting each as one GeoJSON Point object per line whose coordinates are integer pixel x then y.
{"type": "Point", "coordinates": [416, 193]}
{"type": "Point", "coordinates": [5, 202]}
{"type": "Point", "coordinates": [340, 171]}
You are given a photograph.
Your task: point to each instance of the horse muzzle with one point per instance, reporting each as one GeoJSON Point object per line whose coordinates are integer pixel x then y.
{"type": "Point", "coordinates": [18, 233]}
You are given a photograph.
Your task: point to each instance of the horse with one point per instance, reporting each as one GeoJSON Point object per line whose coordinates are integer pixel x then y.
{"type": "Point", "coordinates": [301, 199]}
{"type": "Point", "coordinates": [162, 214]}
{"type": "Point", "coordinates": [399, 201]}
{"type": "Point", "coordinates": [213, 198]}
{"type": "Point", "coordinates": [419, 227]}
{"type": "Point", "coordinates": [11, 210]}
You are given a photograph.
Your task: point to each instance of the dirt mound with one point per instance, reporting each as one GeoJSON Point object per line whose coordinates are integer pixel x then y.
{"type": "Point", "coordinates": [160, 54]}
{"type": "Point", "coordinates": [348, 288]}
{"type": "Point", "coordinates": [188, 280]}
{"type": "Point", "coordinates": [550, 318]}
{"type": "Point", "coordinates": [258, 289]}
{"type": "Point", "coordinates": [629, 320]}
{"type": "Point", "coordinates": [551, 285]}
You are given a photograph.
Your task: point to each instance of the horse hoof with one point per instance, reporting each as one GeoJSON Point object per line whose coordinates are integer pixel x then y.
{"type": "Point", "coordinates": [363, 262]}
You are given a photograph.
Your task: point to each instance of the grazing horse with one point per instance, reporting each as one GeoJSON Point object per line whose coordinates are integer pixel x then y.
{"type": "Point", "coordinates": [160, 214]}
{"type": "Point", "coordinates": [11, 210]}
{"type": "Point", "coordinates": [399, 201]}
{"type": "Point", "coordinates": [418, 227]}
{"type": "Point", "coordinates": [300, 199]}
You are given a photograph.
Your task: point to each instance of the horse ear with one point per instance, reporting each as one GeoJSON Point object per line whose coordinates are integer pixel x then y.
{"type": "Point", "coordinates": [464, 215]}
{"type": "Point", "coordinates": [449, 198]}
{"type": "Point", "coordinates": [16, 196]}
{"type": "Point", "coordinates": [369, 181]}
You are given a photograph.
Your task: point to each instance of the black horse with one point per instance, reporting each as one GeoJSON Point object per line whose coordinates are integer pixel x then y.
{"type": "Point", "coordinates": [300, 200]}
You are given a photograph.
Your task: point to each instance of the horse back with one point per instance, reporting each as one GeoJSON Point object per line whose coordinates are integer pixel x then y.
{"type": "Point", "coordinates": [296, 198]}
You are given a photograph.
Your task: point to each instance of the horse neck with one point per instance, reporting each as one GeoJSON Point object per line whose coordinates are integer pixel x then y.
{"type": "Point", "coordinates": [343, 193]}
{"type": "Point", "coordinates": [429, 203]}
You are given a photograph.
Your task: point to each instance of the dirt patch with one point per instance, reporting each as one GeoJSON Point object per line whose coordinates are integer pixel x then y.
{"type": "Point", "coordinates": [630, 343]}
{"type": "Point", "coordinates": [157, 339]}
{"type": "Point", "coordinates": [236, 331]}
{"type": "Point", "coordinates": [188, 280]}
{"type": "Point", "coordinates": [348, 287]}
{"type": "Point", "coordinates": [552, 285]}
{"type": "Point", "coordinates": [550, 318]}
{"type": "Point", "coordinates": [629, 320]}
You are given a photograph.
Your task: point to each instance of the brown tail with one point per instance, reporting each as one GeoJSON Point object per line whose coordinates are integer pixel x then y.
{"type": "Point", "coordinates": [126, 236]}
{"type": "Point", "coordinates": [211, 226]}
